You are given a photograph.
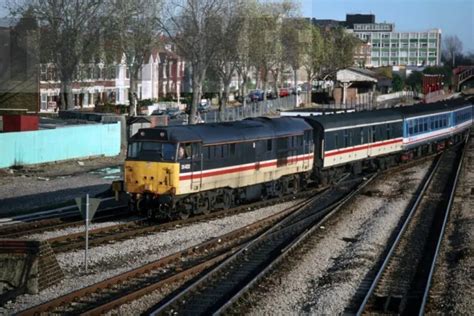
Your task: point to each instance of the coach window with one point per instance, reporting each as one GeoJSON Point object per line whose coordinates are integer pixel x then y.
{"type": "Point", "coordinates": [373, 134]}
{"type": "Point", "coordinates": [388, 131]}
{"type": "Point", "coordinates": [336, 140]}
{"type": "Point", "coordinates": [232, 149]}
{"type": "Point", "coordinates": [410, 128]}
{"type": "Point", "coordinates": [361, 132]}
{"type": "Point", "coordinates": [416, 126]}
{"type": "Point", "coordinates": [432, 123]}
{"type": "Point", "coordinates": [300, 140]}
{"type": "Point", "coordinates": [425, 123]}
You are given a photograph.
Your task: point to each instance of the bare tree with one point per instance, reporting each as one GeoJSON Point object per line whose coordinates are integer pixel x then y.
{"type": "Point", "coordinates": [135, 24]}
{"type": "Point", "coordinates": [243, 40]}
{"type": "Point", "coordinates": [294, 37]}
{"type": "Point", "coordinates": [190, 24]}
{"type": "Point", "coordinates": [266, 44]}
{"type": "Point", "coordinates": [69, 28]}
{"type": "Point", "coordinates": [226, 59]}
{"type": "Point", "coordinates": [452, 47]}
{"type": "Point", "coordinates": [314, 54]}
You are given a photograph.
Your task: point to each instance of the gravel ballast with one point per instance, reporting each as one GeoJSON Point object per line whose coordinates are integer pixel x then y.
{"type": "Point", "coordinates": [327, 271]}
{"type": "Point", "coordinates": [452, 292]}
{"type": "Point", "coordinates": [110, 260]}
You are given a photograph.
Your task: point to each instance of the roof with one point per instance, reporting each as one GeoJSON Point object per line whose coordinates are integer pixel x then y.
{"type": "Point", "coordinates": [354, 74]}
{"type": "Point", "coordinates": [437, 107]}
{"type": "Point", "coordinates": [215, 133]}
{"type": "Point", "coordinates": [357, 118]}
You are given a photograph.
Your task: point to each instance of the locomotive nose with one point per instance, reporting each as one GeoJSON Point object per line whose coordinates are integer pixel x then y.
{"type": "Point", "coordinates": [153, 177]}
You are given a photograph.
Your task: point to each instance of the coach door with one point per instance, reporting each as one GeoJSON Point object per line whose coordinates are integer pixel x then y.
{"type": "Point", "coordinates": [371, 151]}
{"type": "Point", "coordinates": [196, 167]}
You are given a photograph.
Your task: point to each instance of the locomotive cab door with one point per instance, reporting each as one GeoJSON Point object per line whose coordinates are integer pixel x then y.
{"type": "Point", "coordinates": [196, 167]}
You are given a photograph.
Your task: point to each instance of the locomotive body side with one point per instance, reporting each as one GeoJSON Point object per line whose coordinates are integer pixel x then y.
{"type": "Point", "coordinates": [191, 169]}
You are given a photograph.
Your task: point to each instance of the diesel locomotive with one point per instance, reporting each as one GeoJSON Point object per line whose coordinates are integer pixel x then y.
{"type": "Point", "coordinates": [182, 170]}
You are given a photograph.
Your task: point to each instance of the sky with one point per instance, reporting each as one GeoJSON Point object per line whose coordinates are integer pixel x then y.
{"type": "Point", "coordinates": [453, 17]}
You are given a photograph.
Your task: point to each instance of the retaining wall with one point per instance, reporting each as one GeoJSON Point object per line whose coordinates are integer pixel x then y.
{"type": "Point", "coordinates": [25, 148]}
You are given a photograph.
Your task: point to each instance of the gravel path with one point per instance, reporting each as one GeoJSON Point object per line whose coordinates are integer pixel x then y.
{"type": "Point", "coordinates": [44, 185]}
{"type": "Point", "coordinates": [110, 260]}
{"type": "Point", "coordinates": [326, 272]}
{"type": "Point", "coordinates": [452, 292]}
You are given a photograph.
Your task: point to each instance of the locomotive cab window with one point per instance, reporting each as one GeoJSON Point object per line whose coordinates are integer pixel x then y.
{"type": "Point", "coordinates": [185, 151]}
{"type": "Point", "coordinates": [153, 151]}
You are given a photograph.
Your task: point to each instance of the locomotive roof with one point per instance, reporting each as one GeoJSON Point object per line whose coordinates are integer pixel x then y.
{"type": "Point", "coordinates": [214, 133]}
{"type": "Point", "coordinates": [355, 118]}
{"type": "Point", "coordinates": [438, 107]}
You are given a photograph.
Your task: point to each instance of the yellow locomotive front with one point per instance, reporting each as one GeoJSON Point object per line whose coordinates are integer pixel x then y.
{"type": "Point", "coordinates": [151, 173]}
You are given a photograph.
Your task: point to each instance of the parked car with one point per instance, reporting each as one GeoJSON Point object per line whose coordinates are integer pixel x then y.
{"type": "Point", "coordinates": [204, 106]}
{"type": "Point", "coordinates": [271, 94]}
{"type": "Point", "coordinates": [172, 113]}
{"type": "Point", "coordinates": [284, 92]}
{"type": "Point", "coordinates": [256, 95]}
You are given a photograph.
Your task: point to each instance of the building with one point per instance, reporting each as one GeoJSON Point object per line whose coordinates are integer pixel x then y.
{"type": "Point", "coordinates": [391, 48]}
{"type": "Point", "coordinates": [18, 67]}
{"type": "Point", "coordinates": [388, 47]}
{"type": "Point", "coordinates": [161, 75]}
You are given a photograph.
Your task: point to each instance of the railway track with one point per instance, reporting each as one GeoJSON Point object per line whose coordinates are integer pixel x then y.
{"type": "Point", "coordinates": [104, 235]}
{"type": "Point", "coordinates": [217, 290]}
{"type": "Point", "coordinates": [401, 282]}
{"type": "Point", "coordinates": [177, 268]}
{"type": "Point", "coordinates": [72, 218]}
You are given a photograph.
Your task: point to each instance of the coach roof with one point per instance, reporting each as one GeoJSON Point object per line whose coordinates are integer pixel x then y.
{"type": "Point", "coordinates": [215, 133]}
{"type": "Point", "coordinates": [438, 107]}
{"type": "Point", "coordinates": [355, 119]}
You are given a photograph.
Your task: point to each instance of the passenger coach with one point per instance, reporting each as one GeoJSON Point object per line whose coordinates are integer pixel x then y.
{"type": "Point", "coordinates": [354, 139]}
{"type": "Point", "coordinates": [426, 127]}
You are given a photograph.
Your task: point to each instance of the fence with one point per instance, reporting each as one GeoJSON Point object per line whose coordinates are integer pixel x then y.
{"type": "Point", "coordinates": [254, 109]}
{"type": "Point", "coordinates": [24, 148]}
{"type": "Point", "coordinates": [398, 95]}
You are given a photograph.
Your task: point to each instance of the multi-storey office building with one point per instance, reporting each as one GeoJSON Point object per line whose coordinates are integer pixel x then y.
{"type": "Point", "coordinates": [386, 47]}
{"type": "Point", "coordinates": [400, 48]}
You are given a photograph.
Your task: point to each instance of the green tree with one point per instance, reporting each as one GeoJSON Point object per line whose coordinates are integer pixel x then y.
{"type": "Point", "coordinates": [397, 82]}
{"type": "Point", "coordinates": [415, 81]}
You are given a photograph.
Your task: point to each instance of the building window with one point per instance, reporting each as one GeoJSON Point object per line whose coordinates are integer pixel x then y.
{"type": "Point", "coordinates": [375, 54]}
{"type": "Point", "coordinates": [394, 54]}
{"type": "Point", "coordinates": [385, 35]}
{"type": "Point", "coordinates": [385, 54]}
{"type": "Point", "coordinates": [404, 35]}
